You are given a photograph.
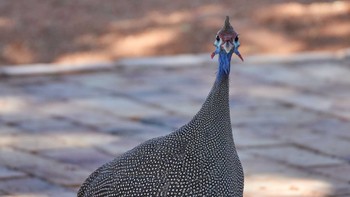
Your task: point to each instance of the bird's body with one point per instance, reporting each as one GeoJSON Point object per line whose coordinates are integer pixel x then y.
{"type": "Point", "coordinates": [199, 159]}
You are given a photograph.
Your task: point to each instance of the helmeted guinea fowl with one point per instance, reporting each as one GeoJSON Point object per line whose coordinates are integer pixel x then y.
{"type": "Point", "coordinates": [199, 159]}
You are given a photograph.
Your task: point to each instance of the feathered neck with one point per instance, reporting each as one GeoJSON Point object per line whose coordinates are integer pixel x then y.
{"type": "Point", "coordinates": [215, 112]}
{"type": "Point", "coordinates": [217, 102]}
{"type": "Point", "coordinates": [224, 65]}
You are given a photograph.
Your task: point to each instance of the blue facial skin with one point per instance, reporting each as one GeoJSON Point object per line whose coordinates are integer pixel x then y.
{"type": "Point", "coordinates": [225, 58]}
{"type": "Point", "coordinates": [224, 63]}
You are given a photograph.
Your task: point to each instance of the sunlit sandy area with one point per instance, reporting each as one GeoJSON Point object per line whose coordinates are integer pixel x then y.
{"type": "Point", "coordinates": [86, 31]}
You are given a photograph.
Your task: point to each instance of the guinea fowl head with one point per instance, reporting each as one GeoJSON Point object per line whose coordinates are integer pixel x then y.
{"type": "Point", "coordinates": [226, 43]}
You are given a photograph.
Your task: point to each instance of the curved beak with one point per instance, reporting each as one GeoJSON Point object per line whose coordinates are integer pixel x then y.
{"type": "Point", "coordinates": [228, 46]}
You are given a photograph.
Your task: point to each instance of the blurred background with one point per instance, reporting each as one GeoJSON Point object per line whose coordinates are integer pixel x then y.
{"type": "Point", "coordinates": [80, 31]}
{"type": "Point", "coordinates": [290, 108]}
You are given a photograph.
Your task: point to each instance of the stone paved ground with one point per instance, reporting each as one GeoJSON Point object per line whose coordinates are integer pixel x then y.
{"type": "Point", "coordinates": [291, 123]}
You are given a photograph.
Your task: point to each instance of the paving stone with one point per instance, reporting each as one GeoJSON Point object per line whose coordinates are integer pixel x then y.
{"type": "Point", "coordinates": [59, 90]}
{"type": "Point", "coordinates": [19, 108]}
{"type": "Point", "coordinates": [149, 93]}
{"type": "Point", "coordinates": [86, 138]}
{"type": "Point", "coordinates": [265, 92]}
{"type": "Point", "coordinates": [336, 92]}
{"type": "Point", "coordinates": [186, 108]}
{"type": "Point", "coordinates": [6, 173]}
{"type": "Point", "coordinates": [264, 177]}
{"type": "Point", "coordinates": [196, 91]}
{"type": "Point", "coordinates": [49, 141]}
{"type": "Point", "coordinates": [244, 102]}
{"type": "Point", "coordinates": [330, 126]}
{"type": "Point", "coordinates": [7, 89]}
{"type": "Point", "coordinates": [247, 139]}
{"type": "Point", "coordinates": [296, 156]}
{"type": "Point", "coordinates": [119, 147]}
{"type": "Point", "coordinates": [339, 172]}
{"type": "Point", "coordinates": [292, 96]}
{"type": "Point", "coordinates": [45, 125]}
{"type": "Point", "coordinates": [33, 187]}
{"type": "Point", "coordinates": [341, 105]}
{"type": "Point", "coordinates": [4, 130]}
{"type": "Point", "coordinates": [102, 80]}
{"type": "Point", "coordinates": [283, 75]}
{"type": "Point", "coordinates": [310, 101]}
{"type": "Point", "coordinates": [12, 104]}
{"type": "Point", "coordinates": [31, 142]}
{"type": "Point", "coordinates": [168, 100]}
{"type": "Point", "coordinates": [47, 169]}
{"type": "Point", "coordinates": [87, 157]}
{"type": "Point", "coordinates": [330, 145]}
{"type": "Point", "coordinates": [118, 106]}
{"type": "Point", "coordinates": [173, 121]}
{"type": "Point", "coordinates": [276, 115]}
{"type": "Point", "coordinates": [294, 134]}
{"type": "Point", "coordinates": [134, 128]}
{"type": "Point", "coordinates": [333, 72]}
{"type": "Point", "coordinates": [290, 124]}
{"type": "Point", "coordinates": [32, 80]}
{"type": "Point", "coordinates": [77, 113]}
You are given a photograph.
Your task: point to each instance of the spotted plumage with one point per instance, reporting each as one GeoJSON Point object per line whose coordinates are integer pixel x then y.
{"type": "Point", "coordinates": [199, 159]}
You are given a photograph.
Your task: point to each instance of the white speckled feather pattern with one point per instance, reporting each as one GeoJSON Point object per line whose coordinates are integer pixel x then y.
{"type": "Point", "coordinates": [199, 159]}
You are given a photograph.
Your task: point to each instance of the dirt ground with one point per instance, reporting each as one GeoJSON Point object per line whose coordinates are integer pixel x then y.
{"type": "Point", "coordinates": [79, 31]}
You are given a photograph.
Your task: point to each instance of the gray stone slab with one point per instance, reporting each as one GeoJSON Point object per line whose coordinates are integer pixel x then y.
{"type": "Point", "coordinates": [33, 187]}
{"type": "Point", "coordinates": [247, 139]}
{"type": "Point", "coordinates": [295, 156]}
{"type": "Point", "coordinates": [101, 80]}
{"type": "Point", "coordinates": [47, 169]}
{"type": "Point", "coordinates": [166, 61]}
{"type": "Point", "coordinates": [339, 172]}
{"type": "Point", "coordinates": [77, 113]}
{"type": "Point", "coordinates": [185, 108]}
{"type": "Point", "coordinates": [282, 75]}
{"type": "Point", "coordinates": [86, 157]}
{"type": "Point", "coordinates": [6, 173]}
{"type": "Point", "coordinates": [48, 124]}
{"type": "Point", "coordinates": [134, 128]}
{"type": "Point", "coordinates": [34, 142]}
{"type": "Point", "coordinates": [264, 177]}
{"type": "Point", "coordinates": [329, 145]}
{"type": "Point", "coordinates": [172, 121]}
{"type": "Point", "coordinates": [4, 130]}
{"type": "Point", "coordinates": [59, 90]}
{"type": "Point", "coordinates": [292, 96]}
{"type": "Point", "coordinates": [330, 127]}
{"type": "Point", "coordinates": [120, 146]}
{"type": "Point", "coordinates": [118, 106]}
{"type": "Point", "coordinates": [272, 115]}
{"type": "Point", "coordinates": [331, 72]}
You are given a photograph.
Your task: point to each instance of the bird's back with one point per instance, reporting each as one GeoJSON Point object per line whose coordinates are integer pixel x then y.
{"type": "Point", "coordinates": [168, 166]}
{"type": "Point", "coordinates": [199, 159]}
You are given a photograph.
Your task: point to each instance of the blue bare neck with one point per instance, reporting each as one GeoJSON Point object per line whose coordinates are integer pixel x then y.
{"type": "Point", "coordinates": [224, 65]}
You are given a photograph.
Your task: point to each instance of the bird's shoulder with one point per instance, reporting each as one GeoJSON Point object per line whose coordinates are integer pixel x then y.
{"type": "Point", "coordinates": [146, 161]}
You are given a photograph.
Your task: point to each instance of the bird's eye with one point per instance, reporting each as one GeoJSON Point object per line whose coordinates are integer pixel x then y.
{"type": "Point", "coordinates": [236, 39]}
{"type": "Point", "coordinates": [217, 38]}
